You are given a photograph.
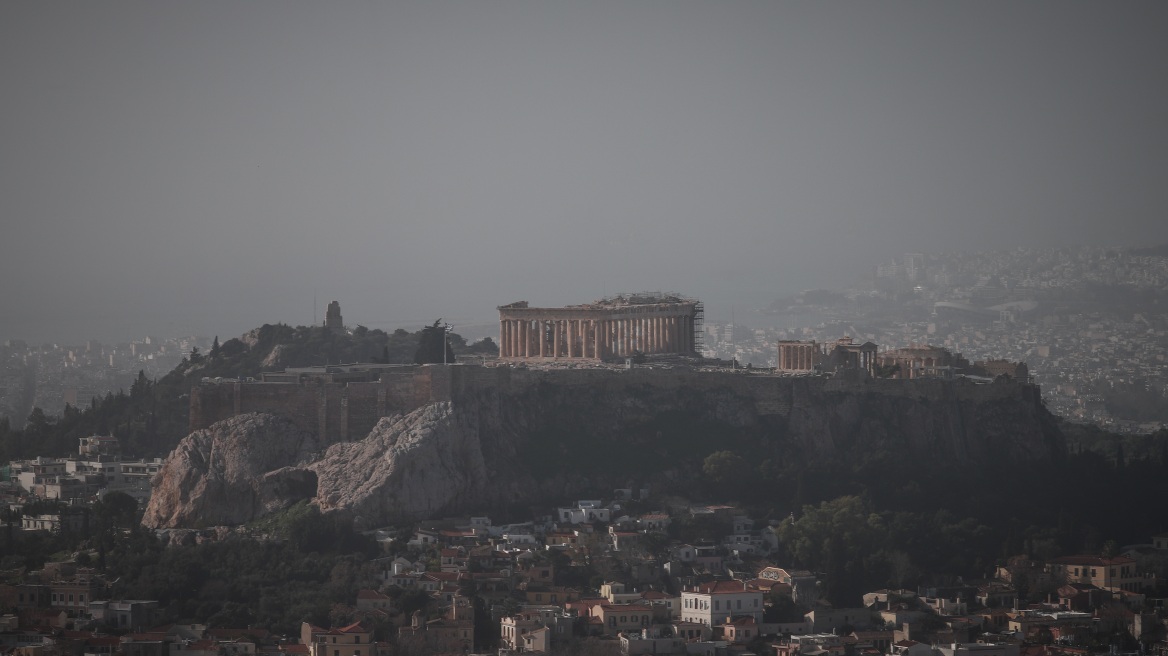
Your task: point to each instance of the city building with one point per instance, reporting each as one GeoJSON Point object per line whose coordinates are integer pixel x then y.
{"type": "Point", "coordinates": [711, 603]}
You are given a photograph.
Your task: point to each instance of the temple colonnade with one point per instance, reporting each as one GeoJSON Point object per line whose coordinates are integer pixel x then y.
{"type": "Point", "coordinates": [587, 333]}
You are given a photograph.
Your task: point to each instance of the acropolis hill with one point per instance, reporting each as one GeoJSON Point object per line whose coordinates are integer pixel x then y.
{"type": "Point", "coordinates": [581, 400]}
{"type": "Point", "coordinates": [426, 440]}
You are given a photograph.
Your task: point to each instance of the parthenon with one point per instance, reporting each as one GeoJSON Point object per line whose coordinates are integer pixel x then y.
{"type": "Point", "coordinates": [616, 327]}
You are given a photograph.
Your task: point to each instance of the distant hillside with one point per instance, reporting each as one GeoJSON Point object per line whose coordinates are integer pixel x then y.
{"type": "Point", "coordinates": [1160, 250]}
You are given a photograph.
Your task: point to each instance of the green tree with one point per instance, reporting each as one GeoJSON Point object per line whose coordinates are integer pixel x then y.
{"type": "Point", "coordinates": [723, 466]}
{"type": "Point", "coordinates": [432, 344]}
{"type": "Point", "coordinates": [119, 509]}
{"type": "Point", "coordinates": [11, 518]}
{"type": "Point", "coordinates": [485, 346]}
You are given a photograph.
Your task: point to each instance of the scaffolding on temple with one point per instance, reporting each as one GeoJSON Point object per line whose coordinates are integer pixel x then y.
{"type": "Point", "coordinates": [698, 331]}
{"type": "Point", "coordinates": [647, 298]}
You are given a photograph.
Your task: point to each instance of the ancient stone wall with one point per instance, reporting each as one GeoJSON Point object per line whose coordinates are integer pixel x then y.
{"type": "Point", "coordinates": [349, 411]}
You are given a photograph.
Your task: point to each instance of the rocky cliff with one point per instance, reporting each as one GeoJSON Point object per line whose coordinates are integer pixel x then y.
{"type": "Point", "coordinates": [238, 469]}
{"type": "Point", "coordinates": [504, 438]}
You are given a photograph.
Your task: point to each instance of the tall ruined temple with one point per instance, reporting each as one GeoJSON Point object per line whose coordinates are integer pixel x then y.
{"type": "Point", "coordinates": [611, 328]}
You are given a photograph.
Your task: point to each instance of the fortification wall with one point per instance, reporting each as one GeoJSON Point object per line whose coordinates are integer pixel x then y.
{"type": "Point", "coordinates": [349, 411]}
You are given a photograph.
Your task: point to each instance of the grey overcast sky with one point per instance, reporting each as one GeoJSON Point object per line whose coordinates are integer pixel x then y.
{"type": "Point", "coordinates": [175, 168]}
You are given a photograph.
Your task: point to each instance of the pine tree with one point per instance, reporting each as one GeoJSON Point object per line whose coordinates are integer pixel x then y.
{"type": "Point", "coordinates": [431, 345]}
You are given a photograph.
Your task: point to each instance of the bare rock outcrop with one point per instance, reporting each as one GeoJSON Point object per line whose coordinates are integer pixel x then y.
{"type": "Point", "coordinates": [419, 464]}
{"type": "Point", "coordinates": [234, 471]}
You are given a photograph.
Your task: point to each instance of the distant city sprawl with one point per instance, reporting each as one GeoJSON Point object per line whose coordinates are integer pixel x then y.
{"type": "Point", "coordinates": [1090, 323]}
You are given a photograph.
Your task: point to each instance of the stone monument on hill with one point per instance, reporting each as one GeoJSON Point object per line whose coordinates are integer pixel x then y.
{"type": "Point", "coordinates": [332, 318]}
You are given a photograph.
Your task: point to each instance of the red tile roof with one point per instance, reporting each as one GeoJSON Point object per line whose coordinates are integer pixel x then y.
{"type": "Point", "coordinates": [722, 587]}
{"type": "Point", "coordinates": [1089, 560]}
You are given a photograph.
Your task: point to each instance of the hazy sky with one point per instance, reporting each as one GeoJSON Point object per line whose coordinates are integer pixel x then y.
{"type": "Point", "coordinates": [206, 167]}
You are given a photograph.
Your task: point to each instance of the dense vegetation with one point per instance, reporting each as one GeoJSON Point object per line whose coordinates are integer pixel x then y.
{"type": "Point", "coordinates": [308, 566]}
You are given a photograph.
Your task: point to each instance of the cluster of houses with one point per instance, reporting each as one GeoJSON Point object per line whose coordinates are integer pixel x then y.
{"type": "Point", "coordinates": [97, 470]}
{"type": "Point", "coordinates": [724, 596]}
{"type": "Point", "coordinates": [603, 574]}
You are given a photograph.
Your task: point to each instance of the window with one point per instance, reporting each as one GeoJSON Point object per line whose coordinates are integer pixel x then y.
{"type": "Point", "coordinates": [740, 604]}
{"type": "Point", "coordinates": [357, 641]}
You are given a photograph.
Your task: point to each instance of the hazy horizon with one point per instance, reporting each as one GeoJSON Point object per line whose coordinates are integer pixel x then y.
{"type": "Point", "coordinates": [205, 168]}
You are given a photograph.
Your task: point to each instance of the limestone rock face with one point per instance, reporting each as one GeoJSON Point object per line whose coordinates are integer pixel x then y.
{"type": "Point", "coordinates": [233, 472]}
{"type": "Point", "coordinates": [416, 465]}
{"type": "Point", "coordinates": [275, 358]}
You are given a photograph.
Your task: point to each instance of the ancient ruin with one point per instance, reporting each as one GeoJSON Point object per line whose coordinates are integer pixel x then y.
{"type": "Point", "coordinates": [809, 357]}
{"type": "Point", "coordinates": [617, 327]}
